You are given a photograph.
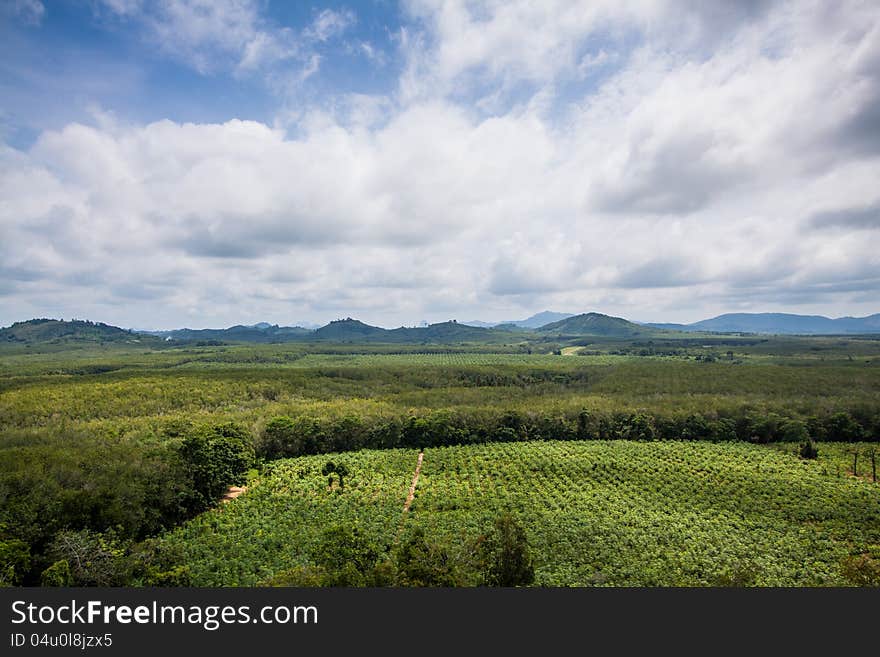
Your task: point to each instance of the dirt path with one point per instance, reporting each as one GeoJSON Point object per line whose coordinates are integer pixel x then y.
{"type": "Point", "coordinates": [412, 489]}
{"type": "Point", "coordinates": [233, 492]}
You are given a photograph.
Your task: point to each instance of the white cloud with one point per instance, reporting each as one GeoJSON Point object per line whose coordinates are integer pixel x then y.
{"type": "Point", "coordinates": [328, 24]}
{"type": "Point", "coordinates": [734, 171]}
{"type": "Point", "coordinates": [228, 35]}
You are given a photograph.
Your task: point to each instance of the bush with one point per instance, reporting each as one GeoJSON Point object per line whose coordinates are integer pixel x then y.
{"type": "Point", "coordinates": [58, 574]}
{"type": "Point", "coordinates": [809, 450]}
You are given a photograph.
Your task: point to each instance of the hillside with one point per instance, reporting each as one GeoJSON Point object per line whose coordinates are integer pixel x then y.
{"type": "Point", "coordinates": [595, 324]}
{"type": "Point", "coordinates": [57, 331]}
{"type": "Point", "coordinates": [262, 332]}
{"type": "Point", "coordinates": [443, 332]}
{"type": "Point", "coordinates": [348, 330]}
{"type": "Point", "coordinates": [781, 323]}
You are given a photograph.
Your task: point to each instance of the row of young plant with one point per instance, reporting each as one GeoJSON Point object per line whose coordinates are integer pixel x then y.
{"type": "Point", "coordinates": [681, 514]}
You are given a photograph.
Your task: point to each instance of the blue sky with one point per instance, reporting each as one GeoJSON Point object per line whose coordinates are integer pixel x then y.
{"type": "Point", "coordinates": [82, 55]}
{"type": "Point", "coordinates": [192, 163]}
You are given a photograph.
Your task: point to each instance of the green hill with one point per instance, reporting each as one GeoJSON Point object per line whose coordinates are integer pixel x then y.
{"type": "Point", "coordinates": [57, 331]}
{"type": "Point", "coordinates": [596, 324]}
{"type": "Point", "coordinates": [258, 333]}
{"type": "Point", "coordinates": [348, 330]}
{"type": "Point", "coordinates": [443, 332]}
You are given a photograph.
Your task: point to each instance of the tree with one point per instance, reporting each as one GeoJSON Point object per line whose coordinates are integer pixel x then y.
{"type": "Point", "coordinates": [842, 427]}
{"type": "Point", "coordinates": [280, 439]}
{"type": "Point", "coordinates": [504, 554]}
{"type": "Point", "coordinates": [216, 457]}
{"type": "Point", "coordinates": [422, 563]}
{"type": "Point", "coordinates": [339, 469]}
{"type": "Point", "coordinates": [347, 557]}
{"type": "Point", "coordinates": [92, 558]}
{"type": "Point", "coordinates": [15, 561]}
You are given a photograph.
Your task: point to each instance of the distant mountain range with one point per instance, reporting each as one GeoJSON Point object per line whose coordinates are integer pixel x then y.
{"type": "Point", "coordinates": [535, 321]}
{"type": "Point", "coordinates": [780, 324]}
{"type": "Point", "coordinates": [53, 331]}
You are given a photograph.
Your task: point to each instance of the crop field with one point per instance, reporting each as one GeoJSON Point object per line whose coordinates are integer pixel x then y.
{"type": "Point", "coordinates": [596, 512]}
{"type": "Point", "coordinates": [658, 463]}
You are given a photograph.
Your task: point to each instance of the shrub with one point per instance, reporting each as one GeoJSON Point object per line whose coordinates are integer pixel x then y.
{"type": "Point", "coordinates": [808, 450]}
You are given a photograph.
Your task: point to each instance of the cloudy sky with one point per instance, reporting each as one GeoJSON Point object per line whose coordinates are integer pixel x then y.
{"type": "Point", "coordinates": [202, 163]}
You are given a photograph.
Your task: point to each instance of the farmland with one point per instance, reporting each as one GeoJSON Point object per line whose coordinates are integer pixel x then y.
{"type": "Point", "coordinates": [615, 513]}
{"type": "Point", "coordinates": [624, 461]}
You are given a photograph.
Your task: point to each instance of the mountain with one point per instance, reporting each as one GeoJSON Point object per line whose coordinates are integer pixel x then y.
{"type": "Point", "coordinates": [781, 323]}
{"type": "Point", "coordinates": [238, 333]}
{"type": "Point", "coordinates": [56, 331]}
{"type": "Point", "coordinates": [443, 332]}
{"type": "Point", "coordinates": [594, 324]}
{"type": "Point", "coordinates": [535, 321]}
{"type": "Point", "coordinates": [348, 330]}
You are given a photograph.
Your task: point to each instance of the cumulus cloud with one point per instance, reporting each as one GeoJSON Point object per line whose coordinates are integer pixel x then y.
{"type": "Point", "coordinates": [732, 168]}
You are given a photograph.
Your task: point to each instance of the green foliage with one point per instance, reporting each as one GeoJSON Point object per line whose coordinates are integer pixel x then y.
{"type": "Point", "coordinates": [216, 457]}
{"type": "Point", "coordinates": [58, 574]}
{"type": "Point", "coordinates": [419, 562]}
{"type": "Point", "coordinates": [808, 450]}
{"type": "Point", "coordinates": [15, 560]}
{"type": "Point", "coordinates": [347, 557]}
{"type": "Point", "coordinates": [93, 559]}
{"type": "Point", "coordinates": [504, 554]}
{"type": "Point", "coordinates": [862, 569]}
{"type": "Point", "coordinates": [843, 427]}
{"type": "Point", "coordinates": [299, 576]}
{"type": "Point", "coordinates": [101, 434]}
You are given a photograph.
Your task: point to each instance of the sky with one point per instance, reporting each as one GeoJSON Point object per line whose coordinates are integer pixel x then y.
{"type": "Point", "coordinates": [204, 163]}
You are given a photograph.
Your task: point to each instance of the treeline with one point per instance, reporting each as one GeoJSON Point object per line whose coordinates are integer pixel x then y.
{"type": "Point", "coordinates": [285, 437]}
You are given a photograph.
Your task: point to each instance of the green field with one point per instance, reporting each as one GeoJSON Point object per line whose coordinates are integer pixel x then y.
{"type": "Point", "coordinates": [105, 447]}
{"type": "Point", "coordinates": [614, 513]}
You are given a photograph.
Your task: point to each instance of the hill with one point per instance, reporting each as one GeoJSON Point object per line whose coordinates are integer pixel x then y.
{"type": "Point", "coordinates": [595, 324]}
{"type": "Point", "coordinates": [443, 332]}
{"type": "Point", "coordinates": [348, 330]}
{"type": "Point", "coordinates": [258, 333]}
{"type": "Point", "coordinates": [59, 331]}
{"type": "Point", "coordinates": [781, 323]}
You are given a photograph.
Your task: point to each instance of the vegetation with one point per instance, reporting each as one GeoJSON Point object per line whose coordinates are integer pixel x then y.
{"type": "Point", "coordinates": [106, 445]}
{"type": "Point", "coordinates": [617, 513]}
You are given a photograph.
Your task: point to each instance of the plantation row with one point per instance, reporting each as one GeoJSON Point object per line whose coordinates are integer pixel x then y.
{"type": "Point", "coordinates": [594, 513]}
